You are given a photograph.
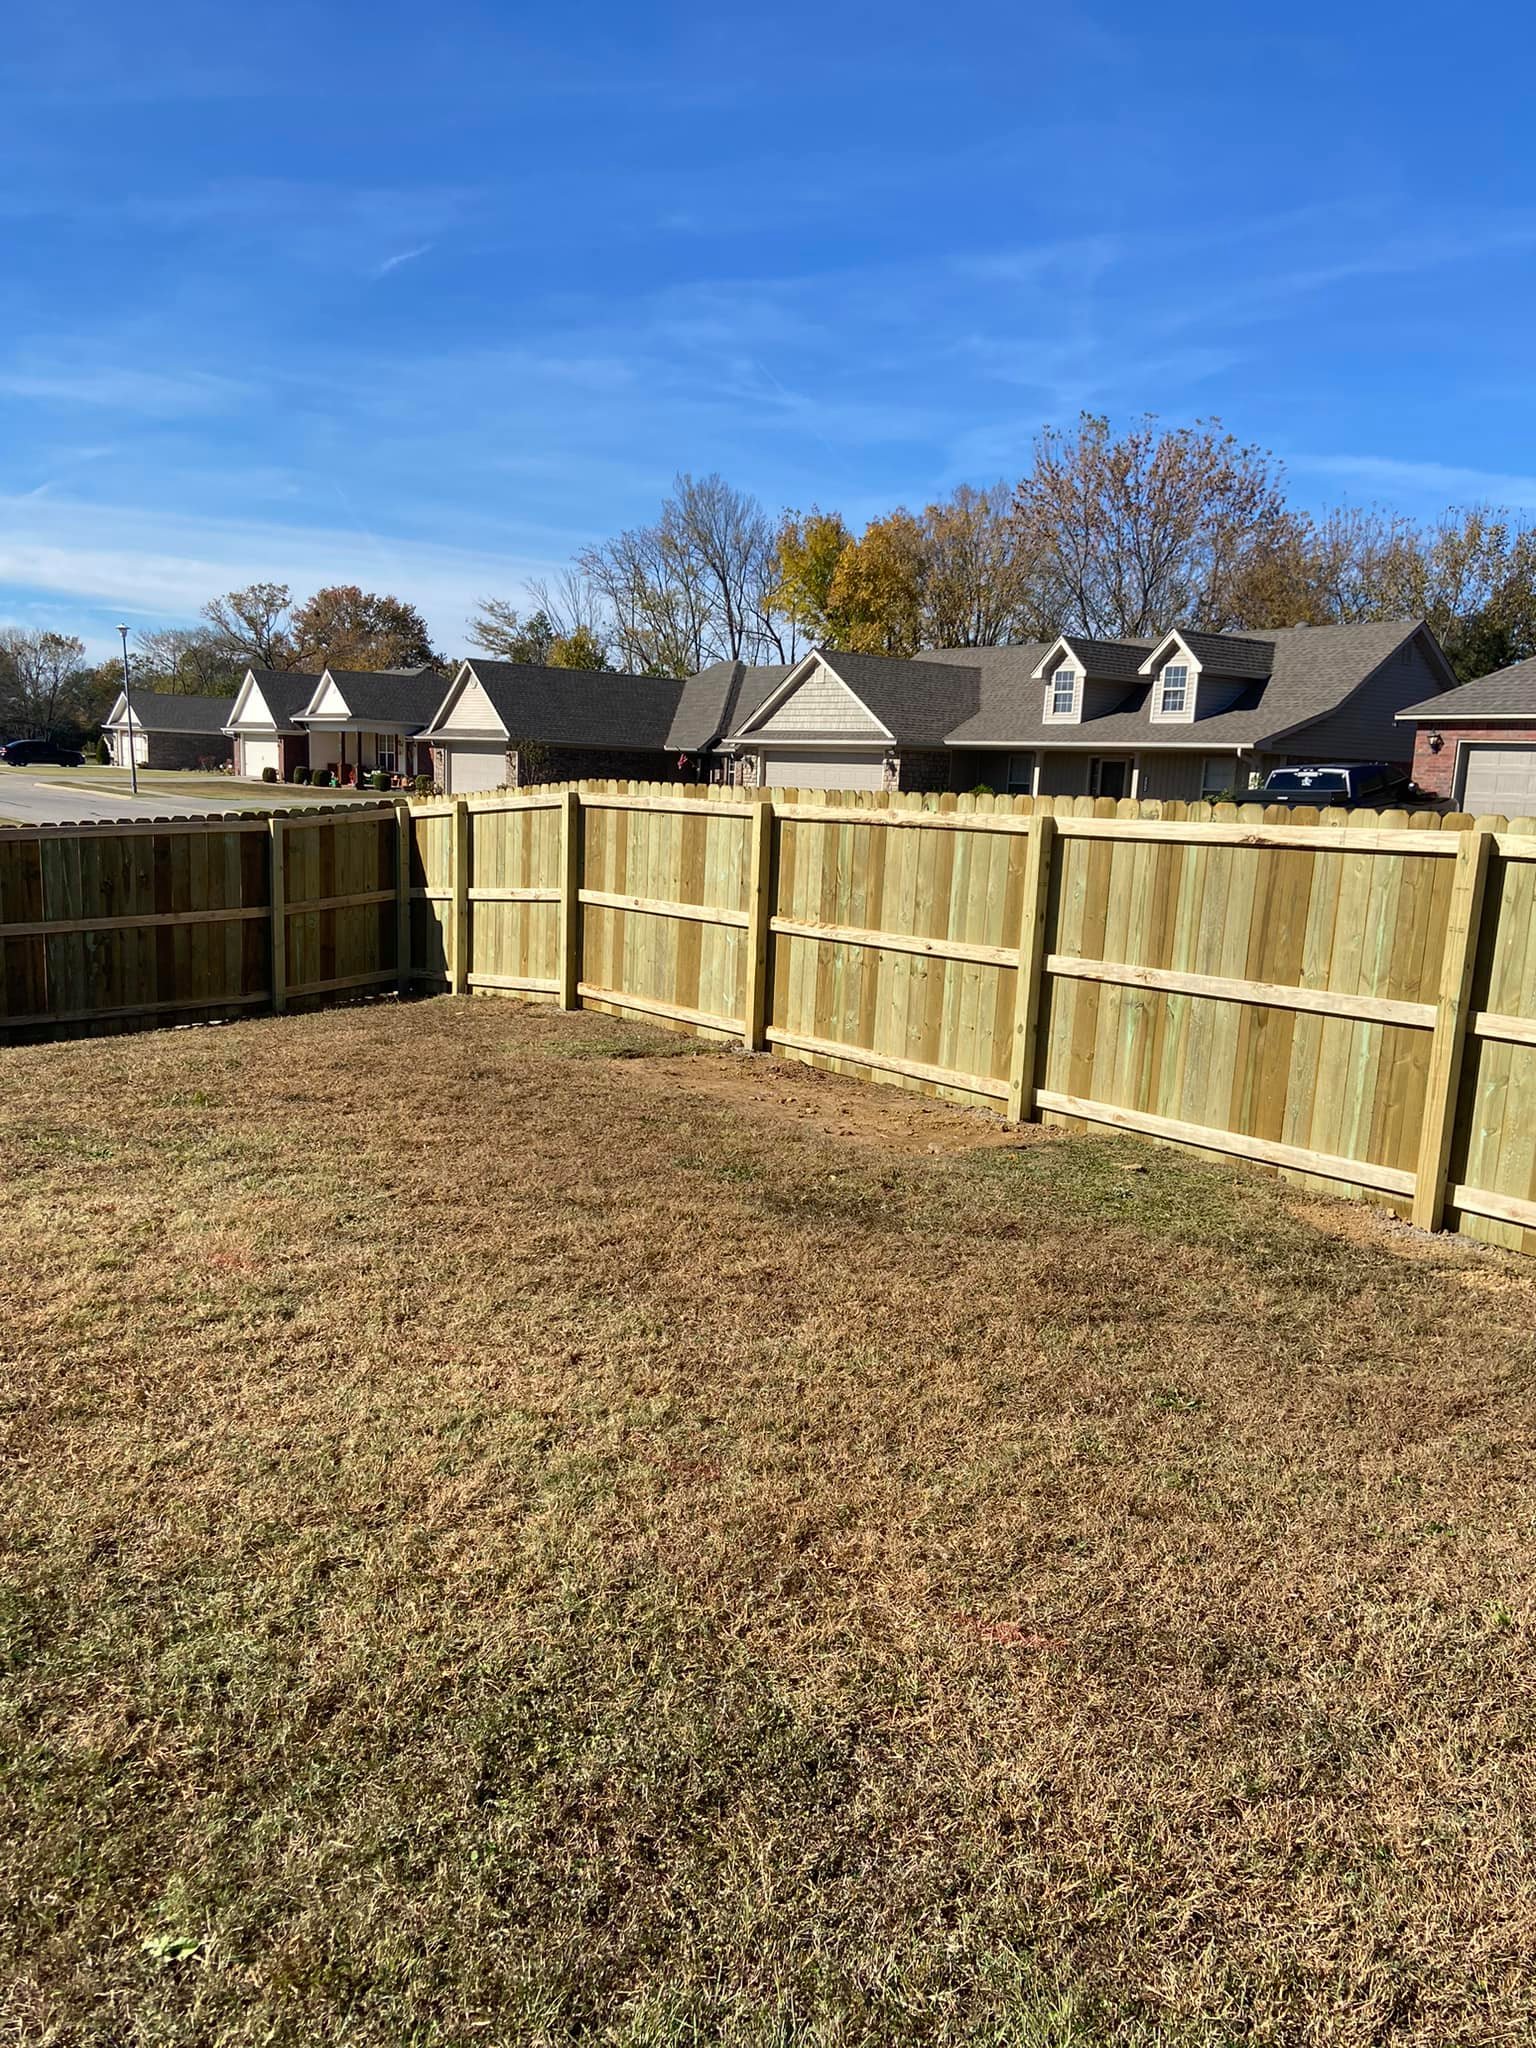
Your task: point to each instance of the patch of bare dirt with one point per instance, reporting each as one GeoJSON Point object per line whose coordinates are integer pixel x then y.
{"type": "Point", "coordinates": [781, 1091]}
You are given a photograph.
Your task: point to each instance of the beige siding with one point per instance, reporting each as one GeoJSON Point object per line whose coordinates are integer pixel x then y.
{"type": "Point", "coordinates": [787, 768]}
{"type": "Point", "coordinates": [473, 712]}
{"type": "Point", "coordinates": [821, 704]}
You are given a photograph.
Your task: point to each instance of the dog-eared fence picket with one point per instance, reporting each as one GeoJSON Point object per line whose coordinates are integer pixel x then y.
{"type": "Point", "coordinates": [1347, 996]}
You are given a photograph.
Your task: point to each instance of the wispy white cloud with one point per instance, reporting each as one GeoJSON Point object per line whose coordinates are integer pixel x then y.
{"type": "Point", "coordinates": [160, 567]}
{"type": "Point", "coordinates": [405, 256]}
{"type": "Point", "coordinates": [116, 388]}
{"type": "Point", "coordinates": [1397, 478]}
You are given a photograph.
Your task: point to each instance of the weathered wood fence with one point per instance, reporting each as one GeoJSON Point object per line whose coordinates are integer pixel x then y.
{"type": "Point", "coordinates": [1350, 997]}
{"type": "Point", "coordinates": [180, 920]}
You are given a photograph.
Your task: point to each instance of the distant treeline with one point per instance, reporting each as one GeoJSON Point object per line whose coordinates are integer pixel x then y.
{"type": "Point", "coordinates": [1106, 534]}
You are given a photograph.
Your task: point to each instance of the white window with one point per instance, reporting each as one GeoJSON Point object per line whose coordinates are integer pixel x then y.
{"type": "Point", "coordinates": [1064, 693]}
{"type": "Point", "coordinates": [385, 755]}
{"type": "Point", "coordinates": [1175, 700]}
{"type": "Point", "coordinates": [1021, 774]}
{"type": "Point", "coordinates": [1218, 774]}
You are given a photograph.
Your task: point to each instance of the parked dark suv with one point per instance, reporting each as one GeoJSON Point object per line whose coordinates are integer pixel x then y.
{"type": "Point", "coordinates": [1355, 782]}
{"type": "Point", "coordinates": [40, 754]}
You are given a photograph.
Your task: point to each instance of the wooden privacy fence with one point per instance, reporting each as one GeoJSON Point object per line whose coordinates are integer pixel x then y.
{"type": "Point", "coordinates": [1350, 998]}
{"type": "Point", "coordinates": [179, 920]}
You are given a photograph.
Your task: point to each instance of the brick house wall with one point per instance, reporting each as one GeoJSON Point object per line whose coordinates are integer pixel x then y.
{"type": "Point", "coordinates": [1436, 773]}
{"type": "Point", "coordinates": [603, 764]}
{"type": "Point", "coordinates": [925, 770]}
{"type": "Point", "coordinates": [188, 749]}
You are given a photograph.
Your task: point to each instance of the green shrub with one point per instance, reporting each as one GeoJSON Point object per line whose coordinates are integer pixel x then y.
{"type": "Point", "coordinates": [423, 785]}
{"type": "Point", "coordinates": [104, 751]}
{"type": "Point", "coordinates": [378, 779]}
{"type": "Point", "coordinates": [322, 778]}
{"type": "Point", "coordinates": [300, 773]}
{"type": "Point", "coordinates": [269, 775]}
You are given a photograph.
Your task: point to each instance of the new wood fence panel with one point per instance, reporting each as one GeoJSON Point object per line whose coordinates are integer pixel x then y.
{"type": "Point", "coordinates": [1494, 1147]}
{"type": "Point", "coordinates": [514, 908]}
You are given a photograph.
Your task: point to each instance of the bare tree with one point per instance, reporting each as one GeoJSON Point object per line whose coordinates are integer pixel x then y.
{"type": "Point", "coordinates": [193, 661]}
{"type": "Point", "coordinates": [696, 586]}
{"type": "Point", "coordinates": [43, 683]}
{"type": "Point", "coordinates": [1151, 528]}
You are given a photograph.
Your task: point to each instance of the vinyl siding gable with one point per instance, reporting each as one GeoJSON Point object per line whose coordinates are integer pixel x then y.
{"type": "Point", "coordinates": [472, 712]}
{"type": "Point", "coordinates": [1362, 727]}
{"type": "Point", "coordinates": [823, 704]}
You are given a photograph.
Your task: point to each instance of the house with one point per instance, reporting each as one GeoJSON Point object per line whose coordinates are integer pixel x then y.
{"type": "Point", "coordinates": [359, 720]}
{"type": "Point", "coordinates": [169, 731]}
{"type": "Point", "coordinates": [1183, 716]}
{"type": "Point", "coordinates": [264, 723]}
{"type": "Point", "coordinates": [1476, 745]}
{"type": "Point", "coordinates": [1190, 715]}
{"type": "Point", "coordinates": [505, 723]}
{"type": "Point", "coordinates": [854, 721]}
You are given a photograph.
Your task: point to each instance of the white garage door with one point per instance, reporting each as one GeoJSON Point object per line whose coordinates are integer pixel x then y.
{"type": "Point", "coordinates": [472, 768]}
{"type": "Point", "coordinates": [256, 755]}
{"type": "Point", "coordinates": [1501, 779]}
{"type": "Point", "coordinates": [787, 769]}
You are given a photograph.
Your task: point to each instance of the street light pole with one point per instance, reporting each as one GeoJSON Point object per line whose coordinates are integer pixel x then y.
{"type": "Point", "coordinates": [133, 752]}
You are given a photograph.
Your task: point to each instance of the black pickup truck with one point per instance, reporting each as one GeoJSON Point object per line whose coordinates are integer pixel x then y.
{"type": "Point", "coordinates": [1375, 783]}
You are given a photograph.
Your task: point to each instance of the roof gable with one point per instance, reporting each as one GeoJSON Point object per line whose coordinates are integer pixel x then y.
{"type": "Point", "coordinates": [815, 701]}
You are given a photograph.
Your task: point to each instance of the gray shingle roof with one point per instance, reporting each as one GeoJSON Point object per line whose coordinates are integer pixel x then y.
{"type": "Point", "coordinates": [1313, 669]}
{"type": "Point", "coordinates": [1250, 655]}
{"type": "Point", "coordinates": [1508, 692]}
{"type": "Point", "coordinates": [916, 701]}
{"type": "Point", "coordinates": [719, 698]}
{"type": "Point", "coordinates": [596, 708]}
{"type": "Point", "coordinates": [285, 691]}
{"type": "Point", "coordinates": [161, 711]}
{"type": "Point", "coordinates": [1108, 661]}
{"type": "Point", "coordinates": [577, 707]}
{"type": "Point", "coordinates": [394, 696]}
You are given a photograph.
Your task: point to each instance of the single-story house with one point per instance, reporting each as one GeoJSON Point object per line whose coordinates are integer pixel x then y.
{"type": "Point", "coordinates": [168, 731]}
{"type": "Point", "coordinates": [1476, 745]}
{"type": "Point", "coordinates": [264, 723]}
{"type": "Point", "coordinates": [1185, 716]}
{"type": "Point", "coordinates": [1182, 716]}
{"type": "Point", "coordinates": [1192, 715]}
{"type": "Point", "coordinates": [503, 724]}
{"type": "Point", "coordinates": [359, 720]}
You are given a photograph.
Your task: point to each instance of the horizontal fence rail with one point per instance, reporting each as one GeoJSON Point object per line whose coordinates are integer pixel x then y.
{"type": "Point", "coordinates": [1348, 997]}
{"type": "Point", "coordinates": [164, 920]}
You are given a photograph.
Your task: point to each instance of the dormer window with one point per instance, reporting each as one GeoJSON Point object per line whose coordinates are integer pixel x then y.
{"type": "Point", "coordinates": [1174, 700]}
{"type": "Point", "coordinates": [1063, 693]}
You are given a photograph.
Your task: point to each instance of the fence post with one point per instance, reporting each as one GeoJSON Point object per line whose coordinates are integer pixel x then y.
{"type": "Point", "coordinates": [759, 908]}
{"type": "Point", "coordinates": [568, 966]}
{"type": "Point", "coordinates": [403, 919]}
{"type": "Point", "coordinates": [1026, 1009]}
{"type": "Point", "coordinates": [1442, 1087]}
{"type": "Point", "coordinates": [277, 896]}
{"type": "Point", "coordinates": [459, 923]}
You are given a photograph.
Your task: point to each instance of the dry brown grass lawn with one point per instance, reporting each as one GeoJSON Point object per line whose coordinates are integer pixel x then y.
{"type": "Point", "coordinates": [507, 1542]}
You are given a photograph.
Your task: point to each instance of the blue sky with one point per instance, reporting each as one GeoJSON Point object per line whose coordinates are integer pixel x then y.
{"type": "Point", "coordinates": [424, 297]}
